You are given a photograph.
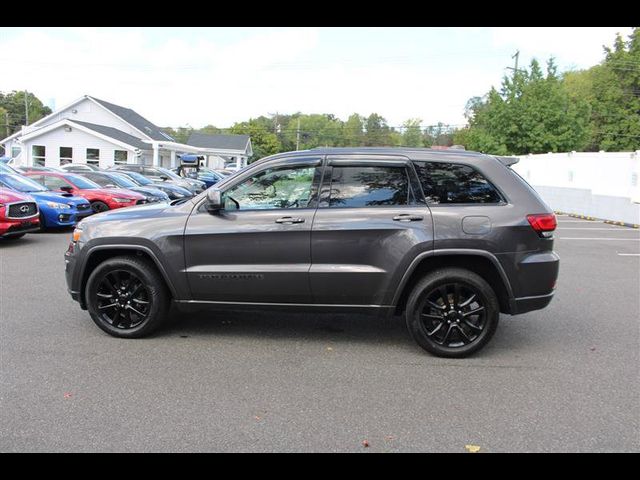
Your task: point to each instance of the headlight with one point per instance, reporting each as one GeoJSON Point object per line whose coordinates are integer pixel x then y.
{"type": "Point", "coordinates": [123, 200]}
{"type": "Point", "coordinates": [58, 206]}
{"type": "Point", "coordinates": [77, 232]}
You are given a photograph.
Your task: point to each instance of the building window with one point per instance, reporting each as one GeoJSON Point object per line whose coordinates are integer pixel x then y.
{"type": "Point", "coordinates": [571, 175]}
{"type": "Point", "coordinates": [15, 151]}
{"type": "Point", "coordinates": [93, 156]}
{"type": "Point", "coordinates": [119, 157]}
{"type": "Point", "coordinates": [38, 153]}
{"type": "Point", "coordinates": [634, 179]}
{"type": "Point", "coordinates": [66, 155]}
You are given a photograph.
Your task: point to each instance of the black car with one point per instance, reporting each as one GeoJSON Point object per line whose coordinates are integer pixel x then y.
{"type": "Point", "coordinates": [449, 239]}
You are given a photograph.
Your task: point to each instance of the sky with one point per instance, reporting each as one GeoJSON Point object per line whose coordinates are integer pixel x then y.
{"type": "Point", "coordinates": [218, 76]}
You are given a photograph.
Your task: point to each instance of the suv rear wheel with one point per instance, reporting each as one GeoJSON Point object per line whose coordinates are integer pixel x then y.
{"type": "Point", "coordinates": [127, 297]}
{"type": "Point", "coordinates": [452, 312]}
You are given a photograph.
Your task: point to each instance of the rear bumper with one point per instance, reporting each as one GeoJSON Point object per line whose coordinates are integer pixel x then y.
{"type": "Point", "coordinates": [528, 304]}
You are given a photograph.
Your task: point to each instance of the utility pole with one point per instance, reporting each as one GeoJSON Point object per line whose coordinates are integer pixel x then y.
{"type": "Point", "coordinates": [26, 109]}
{"type": "Point", "coordinates": [6, 120]}
{"type": "Point", "coordinates": [515, 67]}
{"type": "Point", "coordinates": [298, 135]}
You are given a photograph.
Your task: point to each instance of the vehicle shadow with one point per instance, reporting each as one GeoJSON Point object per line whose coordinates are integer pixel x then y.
{"type": "Point", "coordinates": [324, 327]}
{"type": "Point", "coordinates": [511, 338]}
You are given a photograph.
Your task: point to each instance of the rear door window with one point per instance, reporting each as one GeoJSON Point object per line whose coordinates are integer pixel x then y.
{"type": "Point", "coordinates": [368, 186]}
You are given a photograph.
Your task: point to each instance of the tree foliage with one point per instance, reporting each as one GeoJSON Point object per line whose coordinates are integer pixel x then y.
{"type": "Point", "coordinates": [538, 112]}
{"type": "Point", "coordinates": [13, 112]}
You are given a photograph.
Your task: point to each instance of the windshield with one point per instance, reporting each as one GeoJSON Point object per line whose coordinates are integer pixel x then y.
{"type": "Point", "coordinates": [169, 173]}
{"type": "Point", "coordinates": [22, 184]}
{"type": "Point", "coordinates": [139, 178]}
{"type": "Point", "coordinates": [81, 182]}
{"type": "Point", "coordinates": [122, 181]}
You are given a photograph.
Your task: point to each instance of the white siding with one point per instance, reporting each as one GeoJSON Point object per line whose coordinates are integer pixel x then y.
{"type": "Point", "coordinates": [90, 112]}
{"type": "Point", "coordinates": [79, 141]}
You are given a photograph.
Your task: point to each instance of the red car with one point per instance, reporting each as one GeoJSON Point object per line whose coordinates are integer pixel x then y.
{"type": "Point", "coordinates": [18, 214]}
{"type": "Point", "coordinates": [101, 199]}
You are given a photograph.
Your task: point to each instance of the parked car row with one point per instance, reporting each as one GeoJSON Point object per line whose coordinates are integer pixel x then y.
{"type": "Point", "coordinates": [38, 197]}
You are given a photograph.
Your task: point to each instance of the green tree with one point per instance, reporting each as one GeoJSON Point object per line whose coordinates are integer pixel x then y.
{"type": "Point", "coordinates": [412, 135]}
{"type": "Point", "coordinates": [264, 141]}
{"type": "Point", "coordinates": [377, 131]}
{"type": "Point", "coordinates": [14, 104]}
{"type": "Point", "coordinates": [353, 132]}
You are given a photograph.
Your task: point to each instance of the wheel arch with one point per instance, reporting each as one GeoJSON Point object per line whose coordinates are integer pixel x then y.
{"type": "Point", "coordinates": [100, 253]}
{"type": "Point", "coordinates": [478, 261]}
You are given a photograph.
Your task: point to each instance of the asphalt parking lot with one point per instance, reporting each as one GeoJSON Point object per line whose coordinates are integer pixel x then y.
{"type": "Point", "coordinates": [562, 379]}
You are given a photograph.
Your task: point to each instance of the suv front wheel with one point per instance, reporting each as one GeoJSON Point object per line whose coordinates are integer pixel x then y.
{"type": "Point", "coordinates": [127, 297]}
{"type": "Point", "coordinates": [452, 312]}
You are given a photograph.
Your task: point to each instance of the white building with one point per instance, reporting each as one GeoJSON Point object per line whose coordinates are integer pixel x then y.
{"type": "Point", "coordinates": [94, 131]}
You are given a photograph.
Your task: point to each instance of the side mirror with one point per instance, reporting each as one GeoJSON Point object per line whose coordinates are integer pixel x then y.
{"type": "Point", "coordinates": [66, 188]}
{"type": "Point", "coordinates": [213, 203]}
{"type": "Point", "coordinates": [164, 178]}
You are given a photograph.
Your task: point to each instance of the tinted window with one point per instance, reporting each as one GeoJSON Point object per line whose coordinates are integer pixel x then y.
{"type": "Point", "coordinates": [369, 187]}
{"type": "Point", "coordinates": [81, 182]}
{"type": "Point", "coordinates": [284, 187]}
{"type": "Point", "coordinates": [54, 183]}
{"type": "Point", "coordinates": [453, 183]}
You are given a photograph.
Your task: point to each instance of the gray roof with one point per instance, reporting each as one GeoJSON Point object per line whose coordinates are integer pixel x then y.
{"type": "Point", "coordinates": [116, 135]}
{"type": "Point", "coordinates": [137, 120]}
{"type": "Point", "coordinates": [226, 142]}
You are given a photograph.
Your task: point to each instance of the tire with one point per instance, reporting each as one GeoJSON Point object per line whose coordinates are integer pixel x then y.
{"type": "Point", "coordinates": [452, 330]}
{"type": "Point", "coordinates": [144, 290]}
{"type": "Point", "coordinates": [99, 206]}
{"type": "Point", "coordinates": [43, 226]}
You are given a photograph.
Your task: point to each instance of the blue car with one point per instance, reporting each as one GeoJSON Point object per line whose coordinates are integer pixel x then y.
{"type": "Point", "coordinates": [6, 168]}
{"type": "Point", "coordinates": [56, 209]}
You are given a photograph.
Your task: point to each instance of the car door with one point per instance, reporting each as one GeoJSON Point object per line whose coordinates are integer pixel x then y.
{"type": "Point", "coordinates": [258, 248]}
{"type": "Point", "coordinates": [371, 222]}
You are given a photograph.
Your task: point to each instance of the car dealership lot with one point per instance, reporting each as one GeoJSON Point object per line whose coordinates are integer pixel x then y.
{"type": "Point", "coordinates": [560, 379]}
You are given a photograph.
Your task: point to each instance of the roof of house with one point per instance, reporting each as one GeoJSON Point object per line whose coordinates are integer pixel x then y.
{"type": "Point", "coordinates": [224, 142]}
{"type": "Point", "coordinates": [136, 120]}
{"type": "Point", "coordinates": [116, 134]}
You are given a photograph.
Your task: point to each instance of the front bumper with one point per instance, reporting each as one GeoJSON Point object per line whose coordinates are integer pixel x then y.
{"type": "Point", "coordinates": [8, 229]}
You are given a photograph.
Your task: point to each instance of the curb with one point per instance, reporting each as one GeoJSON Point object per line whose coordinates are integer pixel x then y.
{"type": "Point", "coordinates": [593, 219]}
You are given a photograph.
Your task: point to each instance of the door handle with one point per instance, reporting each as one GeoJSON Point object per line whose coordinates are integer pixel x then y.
{"type": "Point", "coordinates": [406, 217]}
{"type": "Point", "coordinates": [289, 220]}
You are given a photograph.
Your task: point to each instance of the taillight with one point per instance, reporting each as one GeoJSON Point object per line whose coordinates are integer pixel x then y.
{"type": "Point", "coordinates": [543, 223]}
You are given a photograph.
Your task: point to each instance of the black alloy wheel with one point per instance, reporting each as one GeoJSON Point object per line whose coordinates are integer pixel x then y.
{"type": "Point", "coordinates": [452, 312]}
{"type": "Point", "coordinates": [123, 300]}
{"type": "Point", "coordinates": [127, 297]}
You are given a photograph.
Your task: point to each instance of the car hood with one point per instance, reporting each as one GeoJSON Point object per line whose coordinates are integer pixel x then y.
{"type": "Point", "coordinates": [116, 192]}
{"type": "Point", "coordinates": [10, 196]}
{"type": "Point", "coordinates": [148, 191]}
{"type": "Point", "coordinates": [58, 197]}
{"type": "Point", "coordinates": [172, 188]}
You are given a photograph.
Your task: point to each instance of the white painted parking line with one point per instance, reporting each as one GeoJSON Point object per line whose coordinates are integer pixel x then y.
{"type": "Point", "coordinates": [600, 238]}
{"type": "Point", "coordinates": [579, 221]}
{"type": "Point", "coordinates": [619, 229]}
{"type": "Point", "coordinates": [629, 254]}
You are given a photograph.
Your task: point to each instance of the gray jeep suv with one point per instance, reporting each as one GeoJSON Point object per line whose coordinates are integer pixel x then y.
{"type": "Point", "coordinates": [451, 239]}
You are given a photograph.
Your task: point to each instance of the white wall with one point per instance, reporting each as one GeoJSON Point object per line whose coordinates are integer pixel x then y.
{"type": "Point", "coordinates": [79, 141]}
{"type": "Point", "coordinates": [598, 184]}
